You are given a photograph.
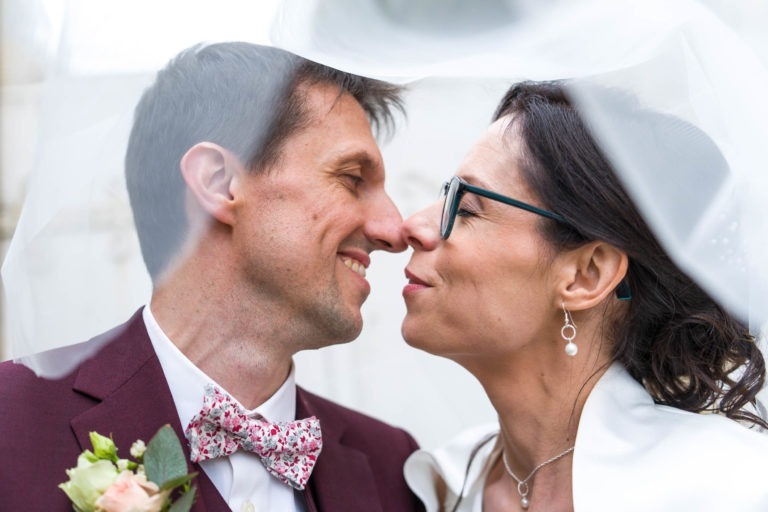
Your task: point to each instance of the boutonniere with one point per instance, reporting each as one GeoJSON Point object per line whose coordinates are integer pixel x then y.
{"type": "Point", "coordinates": [101, 482]}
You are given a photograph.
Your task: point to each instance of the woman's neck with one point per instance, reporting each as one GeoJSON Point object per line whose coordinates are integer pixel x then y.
{"type": "Point", "coordinates": [539, 398]}
{"type": "Point", "coordinates": [538, 412]}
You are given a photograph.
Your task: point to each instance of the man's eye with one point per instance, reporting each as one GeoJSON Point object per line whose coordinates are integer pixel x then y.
{"type": "Point", "coordinates": [465, 212]}
{"type": "Point", "coordinates": [352, 180]}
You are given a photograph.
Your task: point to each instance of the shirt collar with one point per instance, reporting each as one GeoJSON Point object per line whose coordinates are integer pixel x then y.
{"type": "Point", "coordinates": [187, 382]}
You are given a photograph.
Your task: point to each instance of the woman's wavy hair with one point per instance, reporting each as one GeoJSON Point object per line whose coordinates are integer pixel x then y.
{"type": "Point", "coordinates": [686, 350]}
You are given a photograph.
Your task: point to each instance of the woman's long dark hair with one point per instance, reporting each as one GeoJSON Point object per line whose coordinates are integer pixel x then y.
{"type": "Point", "coordinates": [686, 350]}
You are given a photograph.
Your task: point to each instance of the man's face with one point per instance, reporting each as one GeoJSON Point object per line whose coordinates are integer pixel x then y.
{"type": "Point", "coordinates": [306, 226]}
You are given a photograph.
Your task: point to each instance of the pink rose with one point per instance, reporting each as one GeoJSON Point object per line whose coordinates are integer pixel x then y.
{"type": "Point", "coordinates": [131, 493]}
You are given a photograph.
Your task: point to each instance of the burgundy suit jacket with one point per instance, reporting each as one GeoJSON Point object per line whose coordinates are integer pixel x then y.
{"type": "Point", "coordinates": [44, 426]}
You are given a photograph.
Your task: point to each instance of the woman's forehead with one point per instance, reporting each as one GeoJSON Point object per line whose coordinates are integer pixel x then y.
{"type": "Point", "coordinates": [494, 160]}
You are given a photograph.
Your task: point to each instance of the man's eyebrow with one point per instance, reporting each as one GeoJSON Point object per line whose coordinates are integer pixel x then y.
{"type": "Point", "coordinates": [361, 157]}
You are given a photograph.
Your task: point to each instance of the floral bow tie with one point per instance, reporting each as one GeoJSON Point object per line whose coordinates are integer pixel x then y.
{"type": "Point", "coordinates": [288, 450]}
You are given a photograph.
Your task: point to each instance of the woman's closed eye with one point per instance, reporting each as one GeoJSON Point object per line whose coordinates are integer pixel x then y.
{"type": "Point", "coordinates": [466, 212]}
{"type": "Point", "coordinates": [468, 207]}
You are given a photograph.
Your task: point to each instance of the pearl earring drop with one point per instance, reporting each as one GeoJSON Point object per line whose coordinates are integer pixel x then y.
{"type": "Point", "coordinates": [568, 332]}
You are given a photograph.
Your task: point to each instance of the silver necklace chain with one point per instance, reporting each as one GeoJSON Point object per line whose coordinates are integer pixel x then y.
{"type": "Point", "coordinates": [522, 484]}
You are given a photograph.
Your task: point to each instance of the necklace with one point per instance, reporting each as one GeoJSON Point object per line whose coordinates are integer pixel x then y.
{"type": "Point", "coordinates": [522, 484]}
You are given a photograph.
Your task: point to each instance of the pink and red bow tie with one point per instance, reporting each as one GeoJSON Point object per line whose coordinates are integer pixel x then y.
{"type": "Point", "coordinates": [288, 450]}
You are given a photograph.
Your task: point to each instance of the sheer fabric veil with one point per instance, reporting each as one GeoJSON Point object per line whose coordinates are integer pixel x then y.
{"type": "Point", "coordinates": [702, 61]}
{"type": "Point", "coordinates": [73, 72]}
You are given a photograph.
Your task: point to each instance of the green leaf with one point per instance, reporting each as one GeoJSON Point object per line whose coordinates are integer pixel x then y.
{"type": "Point", "coordinates": [175, 482]}
{"type": "Point", "coordinates": [185, 501]}
{"type": "Point", "coordinates": [164, 459]}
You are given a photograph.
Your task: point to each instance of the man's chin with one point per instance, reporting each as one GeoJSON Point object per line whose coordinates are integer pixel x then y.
{"type": "Point", "coordinates": [339, 327]}
{"type": "Point", "coordinates": [353, 332]}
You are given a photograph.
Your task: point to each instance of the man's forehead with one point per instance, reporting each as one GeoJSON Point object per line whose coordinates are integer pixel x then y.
{"type": "Point", "coordinates": [323, 98]}
{"type": "Point", "coordinates": [326, 103]}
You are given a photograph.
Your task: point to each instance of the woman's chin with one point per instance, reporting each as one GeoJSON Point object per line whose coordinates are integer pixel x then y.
{"type": "Point", "coordinates": [413, 335]}
{"type": "Point", "coordinates": [423, 339]}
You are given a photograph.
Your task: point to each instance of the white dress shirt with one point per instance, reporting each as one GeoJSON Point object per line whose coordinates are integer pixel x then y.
{"type": "Point", "coordinates": [240, 478]}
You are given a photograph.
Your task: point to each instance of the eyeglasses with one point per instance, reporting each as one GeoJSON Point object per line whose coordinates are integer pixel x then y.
{"type": "Point", "coordinates": [455, 189]}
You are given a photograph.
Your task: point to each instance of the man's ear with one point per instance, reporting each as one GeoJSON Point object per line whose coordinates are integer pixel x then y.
{"type": "Point", "coordinates": [589, 274]}
{"type": "Point", "coordinates": [209, 169]}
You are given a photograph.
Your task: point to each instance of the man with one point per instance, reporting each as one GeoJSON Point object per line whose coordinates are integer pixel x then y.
{"type": "Point", "coordinates": [258, 193]}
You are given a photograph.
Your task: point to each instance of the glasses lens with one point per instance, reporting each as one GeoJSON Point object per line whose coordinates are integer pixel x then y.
{"type": "Point", "coordinates": [444, 189]}
{"type": "Point", "coordinates": [446, 221]}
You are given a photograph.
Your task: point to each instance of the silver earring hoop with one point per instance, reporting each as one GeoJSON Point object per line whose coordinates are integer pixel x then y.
{"type": "Point", "coordinates": [568, 332]}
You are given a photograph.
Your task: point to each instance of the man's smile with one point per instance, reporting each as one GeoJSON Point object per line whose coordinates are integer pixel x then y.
{"type": "Point", "coordinates": [353, 264]}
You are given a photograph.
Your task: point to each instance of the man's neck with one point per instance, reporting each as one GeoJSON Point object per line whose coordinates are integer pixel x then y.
{"type": "Point", "coordinates": [250, 359]}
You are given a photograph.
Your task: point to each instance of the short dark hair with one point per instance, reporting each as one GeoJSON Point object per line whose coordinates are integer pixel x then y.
{"type": "Point", "coordinates": [674, 339]}
{"type": "Point", "coordinates": [245, 97]}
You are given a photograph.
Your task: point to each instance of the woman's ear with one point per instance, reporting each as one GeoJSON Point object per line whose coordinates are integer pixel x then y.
{"type": "Point", "coordinates": [208, 169]}
{"type": "Point", "coordinates": [589, 274]}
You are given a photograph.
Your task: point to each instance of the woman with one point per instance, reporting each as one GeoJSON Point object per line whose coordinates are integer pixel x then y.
{"type": "Point", "coordinates": [539, 276]}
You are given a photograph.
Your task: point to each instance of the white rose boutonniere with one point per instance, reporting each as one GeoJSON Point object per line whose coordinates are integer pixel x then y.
{"type": "Point", "coordinates": [102, 482]}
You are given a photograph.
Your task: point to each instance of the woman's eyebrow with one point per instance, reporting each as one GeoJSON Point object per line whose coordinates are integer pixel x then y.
{"type": "Point", "coordinates": [475, 181]}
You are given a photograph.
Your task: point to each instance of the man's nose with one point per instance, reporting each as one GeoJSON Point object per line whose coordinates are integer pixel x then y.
{"type": "Point", "coordinates": [384, 228]}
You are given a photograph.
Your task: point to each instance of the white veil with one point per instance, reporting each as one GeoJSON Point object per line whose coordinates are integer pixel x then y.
{"type": "Point", "coordinates": [74, 72]}
{"type": "Point", "coordinates": [704, 62]}
{"type": "Point", "coordinates": [73, 268]}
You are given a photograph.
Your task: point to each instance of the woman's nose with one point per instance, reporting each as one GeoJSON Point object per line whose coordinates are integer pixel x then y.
{"type": "Point", "coordinates": [422, 229]}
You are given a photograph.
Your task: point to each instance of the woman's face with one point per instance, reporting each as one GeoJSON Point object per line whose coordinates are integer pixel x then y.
{"type": "Point", "coordinates": [487, 289]}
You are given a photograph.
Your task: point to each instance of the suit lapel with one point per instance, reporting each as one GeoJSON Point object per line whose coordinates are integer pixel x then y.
{"type": "Point", "coordinates": [343, 478]}
{"type": "Point", "coordinates": [132, 401]}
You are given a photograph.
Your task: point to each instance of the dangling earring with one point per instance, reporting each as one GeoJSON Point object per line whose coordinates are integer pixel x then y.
{"type": "Point", "coordinates": [568, 332]}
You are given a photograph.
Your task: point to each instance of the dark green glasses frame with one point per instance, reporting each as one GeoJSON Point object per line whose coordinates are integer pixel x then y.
{"type": "Point", "coordinates": [455, 189]}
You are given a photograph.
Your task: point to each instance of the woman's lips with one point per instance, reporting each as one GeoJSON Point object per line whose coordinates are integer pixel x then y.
{"type": "Point", "coordinates": [414, 283]}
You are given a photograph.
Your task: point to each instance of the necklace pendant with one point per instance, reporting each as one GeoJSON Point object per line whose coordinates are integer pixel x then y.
{"type": "Point", "coordinates": [522, 485]}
